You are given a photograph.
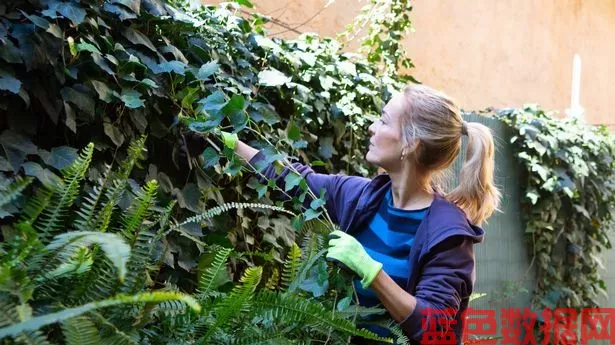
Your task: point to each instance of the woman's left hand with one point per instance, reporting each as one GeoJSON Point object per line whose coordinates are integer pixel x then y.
{"type": "Point", "coordinates": [347, 250]}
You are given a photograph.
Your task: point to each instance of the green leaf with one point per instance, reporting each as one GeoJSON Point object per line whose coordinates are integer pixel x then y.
{"type": "Point", "coordinates": [35, 323]}
{"type": "Point", "coordinates": [210, 157]}
{"type": "Point", "coordinates": [214, 102]}
{"type": "Point", "coordinates": [191, 196]}
{"type": "Point", "coordinates": [104, 92]}
{"type": "Point", "coordinates": [102, 63]}
{"type": "Point", "coordinates": [311, 214]}
{"type": "Point", "coordinates": [134, 5]}
{"type": "Point", "coordinates": [316, 281]}
{"type": "Point", "coordinates": [171, 66]}
{"type": "Point", "coordinates": [88, 47]}
{"type": "Point", "coordinates": [291, 181]}
{"type": "Point", "coordinates": [45, 176]}
{"type": "Point", "coordinates": [8, 82]}
{"type": "Point", "coordinates": [137, 38]}
{"type": "Point", "coordinates": [244, 3]}
{"type": "Point", "coordinates": [326, 149]}
{"type": "Point", "coordinates": [81, 99]}
{"type": "Point", "coordinates": [114, 133]}
{"type": "Point", "coordinates": [113, 245]}
{"type": "Point", "coordinates": [229, 139]}
{"type": "Point", "coordinates": [120, 12]}
{"type": "Point", "coordinates": [62, 157]}
{"type": "Point", "coordinates": [67, 10]}
{"type": "Point", "coordinates": [132, 98]}
{"type": "Point", "coordinates": [294, 133]}
{"type": "Point", "coordinates": [207, 70]}
{"type": "Point", "coordinates": [16, 141]}
{"type": "Point", "coordinates": [272, 77]}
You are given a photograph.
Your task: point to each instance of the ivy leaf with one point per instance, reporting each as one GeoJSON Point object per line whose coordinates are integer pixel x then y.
{"type": "Point", "coordinates": [5, 165]}
{"type": "Point", "coordinates": [67, 10]}
{"type": "Point", "coordinates": [210, 157]}
{"type": "Point", "coordinates": [121, 13]}
{"type": "Point", "coordinates": [291, 181]}
{"type": "Point", "coordinates": [114, 133]}
{"type": "Point", "coordinates": [8, 82]}
{"type": "Point", "coordinates": [207, 70]}
{"type": "Point", "coordinates": [317, 281]}
{"type": "Point", "coordinates": [229, 139]}
{"type": "Point", "coordinates": [272, 77]}
{"type": "Point", "coordinates": [191, 196]}
{"type": "Point", "coordinates": [311, 214]}
{"type": "Point", "coordinates": [326, 149]}
{"type": "Point", "coordinates": [82, 100]}
{"type": "Point", "coordinates": [59, 157]}
{"type": "Point", "coordinates": [137, 38]}
{"type": "Point", "coordinates": [102, 63]}
{"type": "Point", "coordinates": [294, 133]}
{"type": "Point", "coordinates": [45, 176]}
{"type": "Point", "coordinates": [132, 98]}
{"type": "Point", "coordinates": [214, 102]}
{"type": "Point", "coordinates": [134, 5]}
{"type": "Point", "coordinates": [170, 66]}
{"type": "Point", "coordinates": [16, 141]}
{"type": "Point", "coordinates": [88, 47]}
{"type": "Point", "coordinates": [104, 92]}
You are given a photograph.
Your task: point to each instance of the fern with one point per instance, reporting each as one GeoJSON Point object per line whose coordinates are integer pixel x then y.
{"type": "Point", "coordinates": [138, 211]}
{"type": "Point", "coordinates": [208, 277]}
{"type": "Point", "coordinates": [272, 282]}
{"type": "Point", "coordinates": [14, 190]}
{"type": "Point", "coordinates": [80, 331]}
{"type": "Point", "coordinates": [293, 309]}
{"type": "Point", "coordinates": [236, 301]}
{"type": "Point", "coordinates": [112, 245]}
{"type": "Point", "coordinates": [218, 210]}
{"type": "Point", "coordinates": [86, 215]}
{"type": "Point", "coordinates": [35, 206]}
{"type": "Point", "coordinates": [291, 265]}
{"type": "Point", "coordinates": [52, 218]}
{"type": "Point", "coordinates": [35, 323]}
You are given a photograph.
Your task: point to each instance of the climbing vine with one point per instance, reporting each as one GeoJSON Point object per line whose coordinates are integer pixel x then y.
{"type": "Point", "coordinates": [569, 201]}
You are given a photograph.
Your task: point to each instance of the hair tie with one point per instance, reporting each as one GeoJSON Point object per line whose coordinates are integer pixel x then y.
{"type": "Point", "coordinates": [464, 128]}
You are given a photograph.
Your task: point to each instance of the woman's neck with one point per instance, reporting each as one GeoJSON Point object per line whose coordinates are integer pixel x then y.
{"type": "Point", "coordinates": [408, 189]}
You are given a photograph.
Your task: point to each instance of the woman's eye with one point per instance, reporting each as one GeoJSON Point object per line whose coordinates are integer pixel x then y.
{"type": "Point", "coordinates": [381, 121]}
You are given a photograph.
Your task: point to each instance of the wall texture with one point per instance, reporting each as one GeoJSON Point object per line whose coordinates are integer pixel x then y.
{"type": "Point", "coordinates": [491, 53]}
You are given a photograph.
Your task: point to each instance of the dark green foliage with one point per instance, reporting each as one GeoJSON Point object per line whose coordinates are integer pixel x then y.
{"type": "Point", "coordinates": [570, 203]}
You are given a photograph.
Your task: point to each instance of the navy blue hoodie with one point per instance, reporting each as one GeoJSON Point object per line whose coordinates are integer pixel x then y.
{"type": "Point", "coordinates": [442, 256]}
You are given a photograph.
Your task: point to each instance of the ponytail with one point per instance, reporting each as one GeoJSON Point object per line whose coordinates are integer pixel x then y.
{"type": "Point", "coordinates": [476, 194]}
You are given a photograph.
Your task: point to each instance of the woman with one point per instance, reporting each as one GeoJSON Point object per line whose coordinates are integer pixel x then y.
{"type": "Point", "coordinates": [410, 245]}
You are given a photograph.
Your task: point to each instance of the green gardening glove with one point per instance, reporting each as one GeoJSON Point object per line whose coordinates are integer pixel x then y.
{"type": "Point", "coordinates": [347, 250]}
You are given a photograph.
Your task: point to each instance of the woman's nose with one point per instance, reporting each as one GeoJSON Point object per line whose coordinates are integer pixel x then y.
{"type": "Point", "coordinates": [370, 129]}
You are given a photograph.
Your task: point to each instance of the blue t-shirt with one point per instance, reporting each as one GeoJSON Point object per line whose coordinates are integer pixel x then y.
{"type": "Point", "coordinates": [388, 239]}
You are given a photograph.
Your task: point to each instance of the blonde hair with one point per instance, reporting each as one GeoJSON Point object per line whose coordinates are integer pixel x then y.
{"type": "Point", "coordinates": [435, 120]}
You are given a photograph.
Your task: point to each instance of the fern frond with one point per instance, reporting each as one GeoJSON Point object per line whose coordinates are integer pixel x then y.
{"type": "Point", "coordinates": [273, 281]}
{"type": "Point", "coordinates": [208, 277]}
{"type": "Point", "coordinates": [52, 218]}
{"type": "Point", "coordinates": [136, 151]}
{"type": "Point", "coordinates": [37, 203]}
{"type": "Point", "coordinates": [293, 309]}
{"type": "Point", "coordinates": [138, 212]}
{"type": "Point", "coordinates": [117, 337]}
{"type": "Point", "coordinates": [236, 301]}
{"type": "Point", "coordinates": [291, 265]}
{"type": "Point", "coordinates": [80, 331]}
{"type": "Point", "coordinates": [8, 313]}
{"type": "Point", "coordinates": [32, 338]}
{"type": "Point", "coordinates": [38, 322]}
{"type": "Point", "coordinates": [400, 337]}
{"type": "Point", "coordinates": [138, 273]}
{"type": "Point", "coordinates": [166, 214]}
{"type": "Point", "coordinates": [86, 215]}
{"type": "Point", "coordinates": [114, 247]}
{"type": "Point", "coordinates": [218, 210]}
{"type": "Point", "coordinates": [13, 191]}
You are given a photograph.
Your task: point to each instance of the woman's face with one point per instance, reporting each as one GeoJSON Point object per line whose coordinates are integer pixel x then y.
{"type": "Point", "coordinates": [385, 144]}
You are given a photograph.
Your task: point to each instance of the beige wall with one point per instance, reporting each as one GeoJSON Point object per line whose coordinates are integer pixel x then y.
{"type": "Point", "coordinates": [492, 52]}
